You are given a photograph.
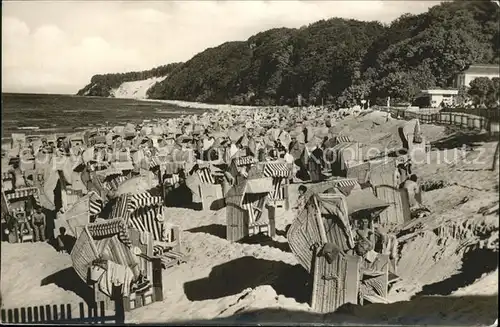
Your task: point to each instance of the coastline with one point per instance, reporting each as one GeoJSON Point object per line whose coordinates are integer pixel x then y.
{"type": "Point", "coordinates": [205, 106]}
{"type": "Point", "coordinates": [171, 108]}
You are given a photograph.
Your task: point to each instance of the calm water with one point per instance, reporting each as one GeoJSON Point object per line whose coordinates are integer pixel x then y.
{"type": "Point", "coordinates": [67, 113]}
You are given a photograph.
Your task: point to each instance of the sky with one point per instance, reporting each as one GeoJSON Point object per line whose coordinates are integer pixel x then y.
{"type": "Point", "coordinates": [57, 46]}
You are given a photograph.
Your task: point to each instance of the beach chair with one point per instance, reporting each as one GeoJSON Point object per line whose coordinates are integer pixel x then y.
{"type": "Point", "coordinates": [146, 213]}
{"type": "Point", "coordinates": [247, 212]}
{"type": "Point", "coordinates": [210, 191]}
{"type": "Point", "coordinates": [124, 247]}
{"type": "Point", "coordinates": [344, 277]}
{"type": "Point", "coordinates": [385, 179]}
{"type": "Point", "coordinates": [280, 173]}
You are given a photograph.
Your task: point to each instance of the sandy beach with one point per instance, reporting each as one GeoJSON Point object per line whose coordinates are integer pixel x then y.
{"type": "Point", "coordinates": [447, 260]}
{"type": "Point", "coordinates": [250, 162]}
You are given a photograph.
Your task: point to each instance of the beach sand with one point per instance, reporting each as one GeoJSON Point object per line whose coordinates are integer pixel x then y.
{"type": "Point", "coordinates": [448, 261]}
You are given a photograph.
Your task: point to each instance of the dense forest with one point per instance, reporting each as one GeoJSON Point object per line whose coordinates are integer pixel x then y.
{"type": "Point", "coordinates": [335, 61]}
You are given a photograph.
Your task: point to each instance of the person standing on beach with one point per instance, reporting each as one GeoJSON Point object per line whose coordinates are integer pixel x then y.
{"type": "Point", "coordinates": [315, 164]}
{"type": "Point", "coordinates": [294, 146]}
{"type": "Point", "coordinates": [226, 152]}
{"type": "Point", "coordinates": [43, 146]}
{"type": "Point", "coordinates": [39, 224]}
{"type": "Point", "coordinates": [85, 177]}
{"type": "Point", "coordinates": [289, 160]}
{"type": "Point", "coordinates": [184, 131]}
{"type": "Point", "coordinates": [17, 176]}
{"type": "Point", "coordinates": [252, 146]}
{"type": "Point", "coordinates": [414, 194]}
{"type": "Point", "coordinates": [198, 141]}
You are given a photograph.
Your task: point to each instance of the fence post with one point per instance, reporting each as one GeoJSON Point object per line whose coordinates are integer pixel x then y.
{"type": "Point", "coordinates": [157, 279]}
{"type": "Point", "coordinates": [119, 310]}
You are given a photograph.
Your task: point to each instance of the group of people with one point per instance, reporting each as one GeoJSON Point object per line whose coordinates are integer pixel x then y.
{"type": "Point", "coordinates": [31, 221]}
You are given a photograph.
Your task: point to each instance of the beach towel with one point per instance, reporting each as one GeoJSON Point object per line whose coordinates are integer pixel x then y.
{"type": "Point", "coordinates": [116, 275]}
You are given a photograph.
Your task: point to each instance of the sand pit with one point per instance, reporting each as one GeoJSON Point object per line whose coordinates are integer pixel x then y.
{"type": "Point", "coordinates": [447, 261]}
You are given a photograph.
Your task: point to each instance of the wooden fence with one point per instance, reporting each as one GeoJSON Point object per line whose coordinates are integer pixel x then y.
{"type": "Point", "coordinates": [62, 314]}
{"type": "Point", "coordinates": [493, 114]}
{"type": "Point", "coordinates": [463, 120]}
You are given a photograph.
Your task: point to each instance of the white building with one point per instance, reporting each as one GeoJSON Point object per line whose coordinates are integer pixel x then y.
{"type": "Point", "coordinates": [475, 71]}
{"type": "Point", "coordinates": [435, 98]}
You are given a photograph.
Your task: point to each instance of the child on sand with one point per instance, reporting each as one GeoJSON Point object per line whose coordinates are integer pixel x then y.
{"type": "Point", "coordinates": [64, 242]}
{"type": "Point", "coordinates": [301, 201]}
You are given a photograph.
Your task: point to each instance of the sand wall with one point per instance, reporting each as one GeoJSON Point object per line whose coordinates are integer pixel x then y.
{"type": "Point", "coordinates": [135, 89]}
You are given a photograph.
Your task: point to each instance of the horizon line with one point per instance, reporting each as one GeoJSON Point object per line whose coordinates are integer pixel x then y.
{"type": "Point", "coordinates": [36, 93]}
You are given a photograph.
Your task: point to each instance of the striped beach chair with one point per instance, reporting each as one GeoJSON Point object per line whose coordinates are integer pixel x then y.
{"type": "Point", "coordinates": [21, 193]}
{"type": "Point", "coordinates": [256, 223]}
{"type": "Point", "coordinates": [144, 219]}
{"type": "Point", "coordinates": [172, 180]}
{"type": "Point", "coordinates": [280, 172]}
{"type": "Point", "coordinates": [95, 206]}
{"type": "Point", "coordinates": [243, 161]}
{"type": "Point", "coordinates": [114, 183]}
{"type": "Point", "coordinates": [210, 192]}
{"type": "Point", "coordinates": [343, 139]}
{"type": "Point", "coordinates": [15, 204]}
{"type": "Point", "coordinates": [206, 176]}
{"type": "Point", "coordinates": [145, 213]}
{"type": "Point", "coordinates": [347, 185]}
{"type": "Point", "coordinates": [238, 162]}
{"type": "Point", "coordinates": [144, 199]}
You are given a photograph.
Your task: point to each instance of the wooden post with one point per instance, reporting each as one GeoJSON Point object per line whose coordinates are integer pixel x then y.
{"type": "Point", "coordinates": [315, 279]}
{"type": "Point", "coordinates": [319, 220]}
{"type": "Point", "coordinates": [495, 156]}
{"type": "Point", "coordinates": [119, 310]}
{"type": "Point", "coordinates": [272, 220]}
{"type": "Point", "coordinates": [157, 280]}
{"type": "Point", "coordinates": [287, 195]}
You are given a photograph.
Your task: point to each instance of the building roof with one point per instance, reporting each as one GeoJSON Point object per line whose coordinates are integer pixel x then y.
{"type": "Point", "coordinates": [483, 69]}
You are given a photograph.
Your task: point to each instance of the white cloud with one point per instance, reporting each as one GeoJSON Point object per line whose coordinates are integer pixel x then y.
{"type": "Point", "coordinates": [14, 27]}
{"type": "Point", "coordinates": [147, 15]}
{"type": "Point", "coordinates": [57, 46]}
{"type": "Point", "coordinates": [50, 34]}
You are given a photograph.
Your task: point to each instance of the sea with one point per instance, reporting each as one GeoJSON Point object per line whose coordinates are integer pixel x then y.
{"type": "Point", "coordinates": [41, 114]}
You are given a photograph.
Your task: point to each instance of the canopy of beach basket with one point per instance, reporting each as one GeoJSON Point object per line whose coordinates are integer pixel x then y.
{"type": "Point", "coordinates": [364, 200]}
{"type": "Point", "coordinates": [137, 184]}
{"type": "Point", "coordinates": [321, 132]}
{"type": "Point", "coordinates": [157, 130]}
{"type": "Point", "coordinates": [235, 135]}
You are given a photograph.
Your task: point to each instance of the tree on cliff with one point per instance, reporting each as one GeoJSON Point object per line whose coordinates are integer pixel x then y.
{"type": "Point", "coordinates": [333, 61]}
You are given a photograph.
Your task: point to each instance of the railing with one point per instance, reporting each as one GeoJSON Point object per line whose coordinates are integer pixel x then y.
{"type": "Point", "coordinates": [62, 314]}
{"type": "Point", "coordinates": [463, 120]}
{"type": "Point", "coordinates": [492, 114]}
